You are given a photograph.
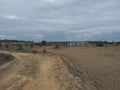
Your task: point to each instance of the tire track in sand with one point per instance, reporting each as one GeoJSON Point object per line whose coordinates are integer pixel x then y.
{"type": "Point", "coordinates": [41, 72]}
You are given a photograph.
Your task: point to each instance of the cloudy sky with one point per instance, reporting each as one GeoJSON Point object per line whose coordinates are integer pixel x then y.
{"type": "Point", "coordinates": [60, 19]}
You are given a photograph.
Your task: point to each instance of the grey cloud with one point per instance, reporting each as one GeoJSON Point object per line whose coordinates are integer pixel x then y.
{"type": "Point", "coordinates": [60, 20]}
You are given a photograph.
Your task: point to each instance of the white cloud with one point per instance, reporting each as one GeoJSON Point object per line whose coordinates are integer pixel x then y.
{"type": "Point", "coordinates": [57, 21]}
{"type": "Point", "coordinates": [3, 36]}
{"type": "Point", "coordinates": [12, 17]}
{"type": "Point", "coordinates": [48, 2]}
{"type": "Point", "coordinates": [39, 35]}
{"type": "Point", "coordinates": [55, 1]}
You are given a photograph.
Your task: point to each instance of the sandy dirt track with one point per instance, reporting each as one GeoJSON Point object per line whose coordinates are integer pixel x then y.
{"type": "Point", "coordinates": [39, 72]}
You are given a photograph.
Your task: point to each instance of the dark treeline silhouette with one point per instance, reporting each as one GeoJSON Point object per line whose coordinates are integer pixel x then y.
{"type": "Point", "coordinates": [21, 43]}
{"type": "Point", "coordinates": [15, 41]}
{"type": "Point", "coordinates": [102, 43]}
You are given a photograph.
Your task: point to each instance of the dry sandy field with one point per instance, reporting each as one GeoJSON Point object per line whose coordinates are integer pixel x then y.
{"type": "Point", "coordinates": [28, 71]}
{"type": "Point", "coordinates": [100, 65]}
{"type": "Point", "coordinates": [71, 68]}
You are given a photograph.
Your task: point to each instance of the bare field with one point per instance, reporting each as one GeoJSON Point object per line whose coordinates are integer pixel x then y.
{"type": "Point", "coordinates": [28, 71]}
{"type": "Point", "coordinates": [72, 68]}
{"type": "Point", "coordinates": [101, 65]}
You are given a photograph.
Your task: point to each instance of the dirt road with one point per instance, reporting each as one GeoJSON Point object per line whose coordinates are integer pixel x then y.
{"type": "Point", "coordinates": [39, 72]}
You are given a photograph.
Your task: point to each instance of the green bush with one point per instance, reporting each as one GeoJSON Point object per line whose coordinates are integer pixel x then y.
{"type": "Point", "coordinates": [44, 42]}
{"type": "Point", "coordinates": [99, 44]}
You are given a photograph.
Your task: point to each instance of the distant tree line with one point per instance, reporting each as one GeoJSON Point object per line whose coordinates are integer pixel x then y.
{"type": "Point", "coordinates": [20, 43]}
{"type": "Point", "coordinates": [15, 41]}
{"type": "Point", "coordinates": [102, 43]}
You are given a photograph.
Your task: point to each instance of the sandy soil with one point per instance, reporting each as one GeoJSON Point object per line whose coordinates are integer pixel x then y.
{"type": "Point", "coordinates": [101, 65]}
{"type": "Point", "coordinates": [40, 72]}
